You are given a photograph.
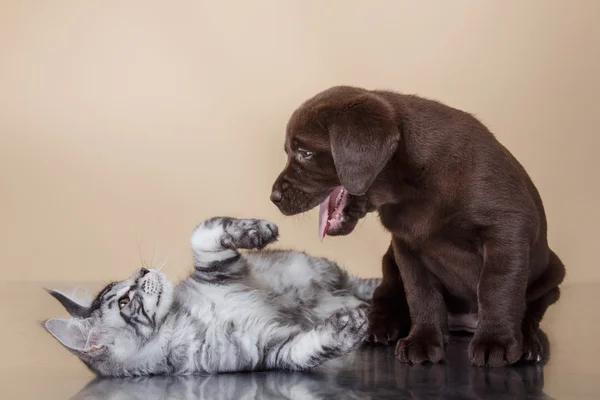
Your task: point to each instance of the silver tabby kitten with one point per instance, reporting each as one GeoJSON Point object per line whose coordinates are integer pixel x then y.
{"type": "Point", "coordinates": [235, 312]}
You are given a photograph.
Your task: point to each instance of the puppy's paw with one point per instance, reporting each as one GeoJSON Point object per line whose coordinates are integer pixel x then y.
{"type": "Point", "coordinates": [387, 326]}
{"type": "Point", "coordinates": [249, 233]}
{"type": "Point", "coordinates": [533, 349]}
{"type": "Point", "coordinates": [495, 348]}
{"type": "Point", "coordinates": [421, 346]}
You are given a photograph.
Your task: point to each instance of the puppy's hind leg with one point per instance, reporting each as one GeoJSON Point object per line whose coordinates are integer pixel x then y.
{"type": "Point", "coordinates": [540, 295]}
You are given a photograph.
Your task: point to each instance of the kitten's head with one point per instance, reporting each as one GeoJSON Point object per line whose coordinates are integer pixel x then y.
{"type": "Point", "coordinates": [115, 328]}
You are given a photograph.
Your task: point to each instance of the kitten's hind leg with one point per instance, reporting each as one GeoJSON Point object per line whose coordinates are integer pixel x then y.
{"type": "Point", "coordinates": [215, 243]}
{"type": "Point", "coordinates": [341, 333]}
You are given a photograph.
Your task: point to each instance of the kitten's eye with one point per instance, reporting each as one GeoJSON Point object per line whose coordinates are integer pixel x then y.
{"type": "Point", "coordinates": [306, 154]}
{"type": "Point", "coordinates": [123, 302]}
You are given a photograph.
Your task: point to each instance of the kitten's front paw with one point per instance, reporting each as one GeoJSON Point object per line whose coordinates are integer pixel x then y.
{"type": "Point", "coordinates": [249, 233]}
{"type": "Point", "coordinates": [350, 326]}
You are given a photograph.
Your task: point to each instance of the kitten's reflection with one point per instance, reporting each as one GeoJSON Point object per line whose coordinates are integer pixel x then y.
{"type": "Point", "coordinates": [242, 386]}
{"type": "Point", "coordinates": [369, 373]}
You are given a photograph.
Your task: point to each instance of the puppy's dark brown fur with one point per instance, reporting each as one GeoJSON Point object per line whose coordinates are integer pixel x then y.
{"type": "Point", "coordinates": [468, 225]}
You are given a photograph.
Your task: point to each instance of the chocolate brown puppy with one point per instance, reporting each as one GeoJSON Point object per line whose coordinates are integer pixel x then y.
{"type": "Point", "coordinates": [467, 223]}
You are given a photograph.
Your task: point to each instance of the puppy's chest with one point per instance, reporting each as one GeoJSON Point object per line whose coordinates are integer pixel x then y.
{"type": "Point", "coordinates": [422, 224]}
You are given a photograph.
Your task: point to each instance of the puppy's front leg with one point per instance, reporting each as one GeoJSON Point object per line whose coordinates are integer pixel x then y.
{"type": "Point", "coordinates": [389, 319]}
{"type": "Point", "coordinates": [501, 301]}
{"type": "Point", "coordinates": [428, 334]}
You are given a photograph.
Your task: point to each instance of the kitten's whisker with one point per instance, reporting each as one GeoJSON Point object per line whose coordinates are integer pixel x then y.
{"type": "Point", "coordinates": [168, 257]}
{"type": "Point", "coordinates": [153, 262]}
{"type": "Point", "coordinates": [163, 263]}
{"type": "Point", "coordinates": [142, 261]}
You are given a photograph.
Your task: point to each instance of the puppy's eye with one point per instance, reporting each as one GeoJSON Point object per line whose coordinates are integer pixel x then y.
{"type": "Point", "coordinates": [123, 302]}
{"type": "Point", "coordinates": [305, 154]}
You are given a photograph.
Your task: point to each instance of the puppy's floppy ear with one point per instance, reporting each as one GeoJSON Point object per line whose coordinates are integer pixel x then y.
{"type": "Point", "coordinates": [364, 136]}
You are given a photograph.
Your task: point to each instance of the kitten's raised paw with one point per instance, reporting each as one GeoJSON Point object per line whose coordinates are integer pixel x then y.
{"type": "Point", "coordinates": [249, 233]}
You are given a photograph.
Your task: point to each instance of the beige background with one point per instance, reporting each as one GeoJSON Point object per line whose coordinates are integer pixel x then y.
{"type": "Point", "coordinates": [125, 123]}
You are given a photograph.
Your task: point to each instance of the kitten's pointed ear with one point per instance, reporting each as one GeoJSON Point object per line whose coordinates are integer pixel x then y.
{"type": "Point", "coordinates": [74, 334]}
{"type": "Point", "coordinates": [364, 135]}
{"type": "Point", "coordinates": [74, 308]}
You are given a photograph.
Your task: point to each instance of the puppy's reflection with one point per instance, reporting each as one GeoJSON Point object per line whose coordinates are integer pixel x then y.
{"type": "Point", "coordinates": [457, 378]}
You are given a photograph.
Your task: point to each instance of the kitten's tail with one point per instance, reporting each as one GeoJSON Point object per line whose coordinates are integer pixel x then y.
{"type": "Point", "coordinates": [363, 288]}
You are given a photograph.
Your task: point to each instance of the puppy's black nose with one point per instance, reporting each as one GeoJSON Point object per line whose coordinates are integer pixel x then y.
{"type": "Point", "coordinates": [276, 196]}
{"type": "Point", "coordinates": [145, 271]}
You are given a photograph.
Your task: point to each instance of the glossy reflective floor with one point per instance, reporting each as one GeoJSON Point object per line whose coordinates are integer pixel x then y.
{"type": "Point", "coordinates": [35, 366]}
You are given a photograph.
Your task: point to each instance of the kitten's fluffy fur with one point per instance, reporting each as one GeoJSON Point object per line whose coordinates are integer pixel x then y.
{"type": "Point", "coordinates": [235, 312]}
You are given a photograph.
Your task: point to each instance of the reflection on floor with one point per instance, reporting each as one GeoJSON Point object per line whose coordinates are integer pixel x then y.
{"type": "Point", "coordinates": [369, 373]}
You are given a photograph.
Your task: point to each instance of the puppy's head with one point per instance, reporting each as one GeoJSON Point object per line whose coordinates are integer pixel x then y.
{"type": "Point", "coordinates": [337, 143]}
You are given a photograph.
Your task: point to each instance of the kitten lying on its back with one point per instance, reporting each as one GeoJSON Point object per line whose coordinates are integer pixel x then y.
{"type": "Point", "coordinates": [235, 312]}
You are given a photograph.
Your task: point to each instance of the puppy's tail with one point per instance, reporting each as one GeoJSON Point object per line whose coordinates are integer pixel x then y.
{"type": "Point", "coordinates": [363, 288]}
